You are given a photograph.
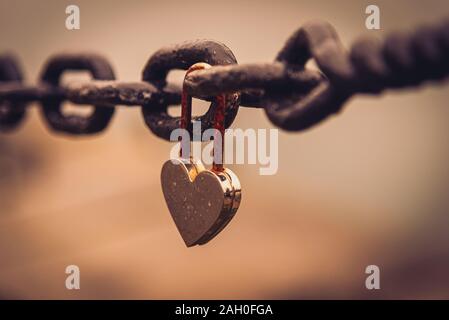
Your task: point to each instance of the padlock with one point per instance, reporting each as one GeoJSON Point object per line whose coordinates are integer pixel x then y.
{"type": "Point", "coordinates": [201, 201]}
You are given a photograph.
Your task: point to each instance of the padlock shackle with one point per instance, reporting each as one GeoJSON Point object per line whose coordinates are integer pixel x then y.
{"type": "Point", "coordinates": [219, 118]}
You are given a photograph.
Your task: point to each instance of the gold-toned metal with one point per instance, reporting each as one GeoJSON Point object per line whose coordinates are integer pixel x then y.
{"type": "Point", "coordinates": [202, 202]}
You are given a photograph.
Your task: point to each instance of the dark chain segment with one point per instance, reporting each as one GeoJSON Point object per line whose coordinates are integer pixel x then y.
{"type": "Point", "coordinates": [10, 113]}
{"type": "Point", "coordinates": [293, 96]}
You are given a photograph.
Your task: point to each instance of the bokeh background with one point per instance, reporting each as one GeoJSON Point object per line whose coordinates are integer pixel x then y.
{"type": "Point", "coordinates": [369, 186]}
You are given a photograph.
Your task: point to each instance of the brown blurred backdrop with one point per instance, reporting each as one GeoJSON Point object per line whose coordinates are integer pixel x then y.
{"type": "Point", "coordinates": [370, 186]}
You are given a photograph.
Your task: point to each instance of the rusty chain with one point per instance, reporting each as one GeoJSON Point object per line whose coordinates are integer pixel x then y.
{"type": "Point", "coordinates": [294, 97]}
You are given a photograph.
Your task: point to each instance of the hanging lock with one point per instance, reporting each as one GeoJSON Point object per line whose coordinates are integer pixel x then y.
{"type": "Point", "coordinates": [201, 201]}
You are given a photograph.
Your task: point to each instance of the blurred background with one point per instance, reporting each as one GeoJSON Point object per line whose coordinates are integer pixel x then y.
{"type": "Point", "coordinates": [369, 186]}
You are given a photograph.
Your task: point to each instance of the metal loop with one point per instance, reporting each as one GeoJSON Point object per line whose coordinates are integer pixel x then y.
{"type": "Point", "coordinates": [182, 57]}
{"type": "Point", "coordinates": [101, 116]}
{"type": "Point", "coordinates": [219, 119]}
{"type": "Point", "coordinates": [295, 111]}
{"type": "Point", "coordinates": [11, 114]}
{"type": "Point", "coordinates": [294, 98]}
{"type": "Point", "coordinates": [269, 77]}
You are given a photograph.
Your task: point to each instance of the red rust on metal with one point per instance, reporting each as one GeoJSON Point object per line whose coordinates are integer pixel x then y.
{"type": "Point", "coordinates": [219, 119]}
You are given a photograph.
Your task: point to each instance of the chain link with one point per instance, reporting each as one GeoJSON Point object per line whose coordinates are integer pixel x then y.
{"type": "Point", "coordinates": [294, 97]}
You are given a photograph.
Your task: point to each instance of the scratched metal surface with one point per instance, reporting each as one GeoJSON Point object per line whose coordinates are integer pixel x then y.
{"type": "Point", "coordinates": [366, 187]}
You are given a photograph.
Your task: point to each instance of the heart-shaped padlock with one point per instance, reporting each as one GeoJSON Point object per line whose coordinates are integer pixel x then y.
{"type": "Point", "coordinates": [201, 201]}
